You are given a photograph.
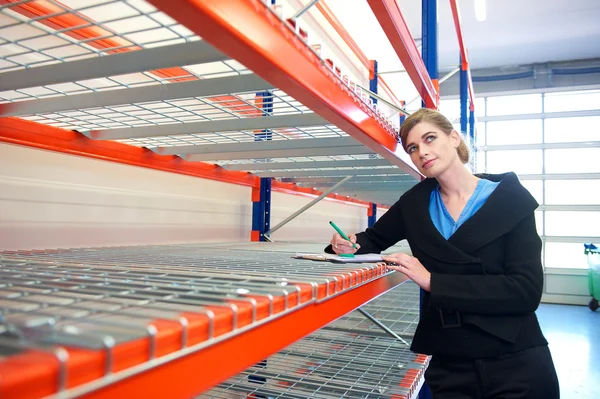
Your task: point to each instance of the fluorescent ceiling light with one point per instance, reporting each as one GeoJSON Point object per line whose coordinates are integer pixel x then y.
{"type": "Point", "coordinates": [480, 10]}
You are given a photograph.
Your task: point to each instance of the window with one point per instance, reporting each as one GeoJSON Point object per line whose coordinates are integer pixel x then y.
{"type": "Point", "coordinates": [514, 105]}
{"type": "Point", "coordinates": [535, 187]}
{"type": "Point", "coordinates": [480, 162]}
{"type": "Point", "coordinates": [450, 109]}
{"type": "Point", "coordinates": [572, 192]}
{"type": "Point", "coordinates": [572, 224]}
{"type": "Point", "coordinates": [518, 161]}
{"type": "Point", "coordinates": [560, 130]}
{"type": "Point", "coordinates": [572, 101]}
{"type": "Point", "coordinates": [573, 160]}
{"type": "Point", "coordinates": [564, 255]}
{"type": "Point", "coordinates": [514, 132]}
{"type": "Point", "coordinates": [539, 222]}
{"type": "Point", "coordinates": [480, 133]}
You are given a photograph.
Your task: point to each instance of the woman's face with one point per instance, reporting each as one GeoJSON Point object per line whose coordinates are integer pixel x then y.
{"type": "Point", "coordinates": [432, 150]}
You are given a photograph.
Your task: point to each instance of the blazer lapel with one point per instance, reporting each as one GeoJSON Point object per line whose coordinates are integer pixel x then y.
{"type": "Point", "coordinates": [505, 208]}
{"type": "Point", "coordinates": [423, 232]}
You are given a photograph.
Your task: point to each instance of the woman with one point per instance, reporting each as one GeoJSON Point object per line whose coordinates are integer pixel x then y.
{"type": "Point", "coordinates": [476, 255]}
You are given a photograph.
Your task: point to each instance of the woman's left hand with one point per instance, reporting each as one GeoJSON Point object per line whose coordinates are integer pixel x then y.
{"type": "Point", "coordinates": [411, 267]}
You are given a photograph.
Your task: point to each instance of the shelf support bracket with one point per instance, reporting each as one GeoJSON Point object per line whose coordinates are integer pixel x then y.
{"type": "Point", "coordinates": [305, 207]}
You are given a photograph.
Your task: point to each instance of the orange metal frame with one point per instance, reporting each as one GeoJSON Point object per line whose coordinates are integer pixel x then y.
{"type": "Point", "coordinates": [33, 134]}
{"type": "Point", "coordinates": [249, 32]}
{"type": "Point", "coordinates": [78, 28]}
{"type": "Point", "coordinates": [339, 28]}
{"type": "Point", "coordinates": [202, 368]}
{"type": "Point", "coordinates": [389, 16]}
{"type": "Point", "coordinates": [463, 50]}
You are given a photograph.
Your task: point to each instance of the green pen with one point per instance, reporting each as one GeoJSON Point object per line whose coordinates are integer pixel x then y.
{"type": "Point", "coordinates": [344, 236]}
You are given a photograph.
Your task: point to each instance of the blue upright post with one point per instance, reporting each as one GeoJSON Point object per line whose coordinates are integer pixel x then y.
{"type": "Point", "coordinates": [429, 36]}
{"type": "Point", "coordinates": [402, 116]}
{"type": "Point", "coordinates": [261, 196]}
{"type": "Point", "coordinates": [464, 96]}
{"type": "Point", "coordinates": [472, 124]}
{"type": "Point", "coordinates": [373, 79]}
{"type": "Point", "coordinates": [373, 82]}
{"type": "Point", "coordinates": [372, 214]}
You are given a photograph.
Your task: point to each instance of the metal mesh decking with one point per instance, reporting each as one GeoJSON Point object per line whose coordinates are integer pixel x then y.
{"type": "Point", "coordinates": [86, 318]}
{"type": "Point", "coordinates": [349, 358]}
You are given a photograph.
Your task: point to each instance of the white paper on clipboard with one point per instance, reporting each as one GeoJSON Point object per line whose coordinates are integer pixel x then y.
{"type": "Point", "coordinates": [364, 258]}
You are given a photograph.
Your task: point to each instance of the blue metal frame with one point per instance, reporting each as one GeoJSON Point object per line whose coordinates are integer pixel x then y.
{"type": "Point", "coordinates": [261, 210]}
{"type": "Point", "coordinates": [373, 214]}
{"type": "Point", "coordinates": [402, 116]}
{"type": "Point", "coordinates": [472, 126]}
{"type": "Point", "coordinates": [429, 36]}
{"type": "Point", "coordinates": [375, 81]}
{"type": "Point", "coordinates": [464, 97]}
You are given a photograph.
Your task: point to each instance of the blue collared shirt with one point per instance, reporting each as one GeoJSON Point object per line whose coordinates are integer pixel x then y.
{"type": "Point", "coordinates": [440, 216]}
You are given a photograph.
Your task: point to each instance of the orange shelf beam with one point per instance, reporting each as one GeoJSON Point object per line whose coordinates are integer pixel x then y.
{"type": "Point", "coordinates": [339, 28]}
{"type": "Point", "coordinates": [463, 51]}
{"type": "Point", "coordinates": [185, 373]}
{"type": "Point", "coordinates": [251, 33]}
{"type": "Point", "coordinates": [37, 135]}
{"type": "Point", "coordinates": [390, 18]}
{"type": "Point", "coordinates": [210, 366]}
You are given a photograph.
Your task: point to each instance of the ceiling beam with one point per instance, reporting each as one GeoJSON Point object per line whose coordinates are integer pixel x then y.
{"type": "Point", "coordinates": [155, 92]}
{"type": "Point", "coordinates": [350, 163]}
{"type": "Point", "coordinates": [333, 172]}
{"type": "Point", "coordinates": [222, 125]}
{"type": "Point", "coordinates": [267, 149]}
{"type": "Point", "coordinates": [198, 52]}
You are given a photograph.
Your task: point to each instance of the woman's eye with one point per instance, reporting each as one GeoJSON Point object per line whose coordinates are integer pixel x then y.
{"type": "Point", "coordinates": [430, 139]}
{"type": "Point", "coordinates": [411, 149]}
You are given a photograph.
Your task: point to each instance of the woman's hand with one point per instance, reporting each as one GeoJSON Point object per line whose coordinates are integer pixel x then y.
{"type": "Point", "coordinates": [341, 246]}
{"type": "Point", "coordinates": [411, 267]}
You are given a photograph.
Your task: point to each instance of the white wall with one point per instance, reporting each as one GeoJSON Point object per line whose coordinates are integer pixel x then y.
{"type": "Point", "coordinates": [54, 200]}
{"type": "Point", "coordinates": [50, 200]}
{"type": "Point", "coordinates": [313, 225]}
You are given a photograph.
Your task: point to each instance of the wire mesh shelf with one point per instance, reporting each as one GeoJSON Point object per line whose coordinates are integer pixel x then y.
{"type": "Point", "coordinates": [348, 358]}
{"type": "Point", "coordinates": [38, 33]}
{"type": "Point", "coordinates": [113, 309]}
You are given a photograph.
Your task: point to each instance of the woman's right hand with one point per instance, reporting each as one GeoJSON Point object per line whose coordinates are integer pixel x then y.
{"type": "Point", "coordinates": [341, 246]}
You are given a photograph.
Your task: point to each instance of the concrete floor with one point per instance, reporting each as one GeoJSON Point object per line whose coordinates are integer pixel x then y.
{"type": "Point", "coordinates": [574, 336]}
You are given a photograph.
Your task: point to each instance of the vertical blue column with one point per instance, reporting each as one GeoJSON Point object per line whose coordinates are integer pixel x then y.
{"type": "Point", "coordinates": [372, 214]}
{"type": "Point", "coordinates": [464, 96]}
{"type": "Point", "coordinates": [429, 41]}
{"type": "Point", "coordinates": [261, 205]}
{"type": "Point", "coordinates": [373, 79]}
{"type": "Point", "coordinates": [373, 82]}
{"type": "Point", "coordinates": [429, 36]}
{"type": "Point", "coordinates": [402, 116]}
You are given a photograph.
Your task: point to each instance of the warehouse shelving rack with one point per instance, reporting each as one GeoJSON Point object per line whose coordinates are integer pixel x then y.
{"type": "Point", "coordinates": [208, 89]}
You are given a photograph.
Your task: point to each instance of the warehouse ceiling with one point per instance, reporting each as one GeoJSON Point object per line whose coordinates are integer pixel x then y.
{"type": "Point", "coordinates": [515, 32]}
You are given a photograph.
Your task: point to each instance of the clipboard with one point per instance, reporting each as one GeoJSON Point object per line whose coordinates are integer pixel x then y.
{"type": "Point", "coordinates": [364, 258]}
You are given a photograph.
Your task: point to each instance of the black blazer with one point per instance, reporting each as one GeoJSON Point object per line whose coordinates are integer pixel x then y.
{"type": "Point", "coordinates": [486, 280]}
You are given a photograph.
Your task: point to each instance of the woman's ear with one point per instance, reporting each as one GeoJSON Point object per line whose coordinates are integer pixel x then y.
{"type": "Point", "coordinates": [455, 138]}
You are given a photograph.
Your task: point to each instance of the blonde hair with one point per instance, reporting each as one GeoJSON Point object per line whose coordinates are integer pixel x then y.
{"type": "Point", "coordinates": [437, 119]}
